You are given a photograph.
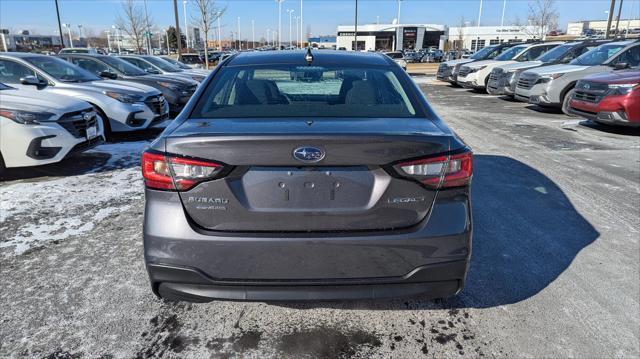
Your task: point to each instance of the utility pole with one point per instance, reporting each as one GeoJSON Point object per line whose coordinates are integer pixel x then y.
{"type": "Point", "coordinates": [356, 29]}
{"type": "Point", "coordinates": [239, 41]}
{"type": "Point", "coordinates": [504, 7]}
{"type": "Point", "coordinates": [253, 34]}
{"type": "Point", "coordinates": [179, 43]}
{"type": "Point", "coordinates": [186, 25]}
{"type": "Point", "coordinates": [59, 25]}
{"type": "Point", "coordinates": [611, 10]}
{"type": "Point", "coordinates": [618, 19]}
{"type": "Point", "coordinates": [290, 11]}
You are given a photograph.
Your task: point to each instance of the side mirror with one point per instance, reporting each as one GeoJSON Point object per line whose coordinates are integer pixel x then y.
{"type": "Point", "coordinates": [620, 66]}
{"type": "Point", "coordinates": [33, 81]}
{"type": "Point", "coordinates": [108, 75]}
{"type": "Point", "coordinates": [152, 71]}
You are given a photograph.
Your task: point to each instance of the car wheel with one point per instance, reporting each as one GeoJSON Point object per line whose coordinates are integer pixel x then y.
{"type": "Point", "coordinates": [565, 102]}
{"type": "Point", "coordinates": [3, 167]}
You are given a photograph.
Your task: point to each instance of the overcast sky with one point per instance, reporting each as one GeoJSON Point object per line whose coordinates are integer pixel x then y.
{"type": "Point", "coordinates": [320, 16]}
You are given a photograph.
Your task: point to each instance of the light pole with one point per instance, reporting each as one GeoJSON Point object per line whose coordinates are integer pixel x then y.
{"type": "Point", "coordinates": [59, 26]}
{"type": "Point", "coordinates": [68, 26]}
{"type": "Point", "coordinates": [108, 39]}
{"type": "Point", "coordinates": [355, 46]}
{"type": "Point", "coordinates": [279, 23]}
{"type": "Point", "coordinates": [218, 15]}
{"type": "Point", "coordinates": [377, 20]}
{"type": "Point", "coordinates": [302, 37]}
{"type": "Point", "coordinates": [268, 37]}
{"type": "Point", "coordinates": [504, 7]}
{"type": "Point", "coordinates": [239, 41]}
{"type": "Point", "coordinates": [298, 31]}
{"type": "Point", "coordinates": [478, 27]}
{"type": "Point", "coordinates": [399, 8]}
{"type": "Point", "coordinates": [186, 25]}
{"type": "Point", "coordinates": [253, 34]}
{"type": "Point", "coordinates": [290, 11]}
{"type": "Point", "coordinates": [166, 32]}
{"type": "Point", "coordinates": [117, 37]}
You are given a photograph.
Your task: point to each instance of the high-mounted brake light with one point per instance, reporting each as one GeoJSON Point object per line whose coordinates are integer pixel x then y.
{"type": "Point", "coordinates": [442, 171]}
{"type": "Point", "coordinates": [175, 173]}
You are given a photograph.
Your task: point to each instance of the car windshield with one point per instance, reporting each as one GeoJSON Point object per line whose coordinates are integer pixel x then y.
{"type": "Point", "coordinates": [162, 64]}
{"type": "Point", "coordinates": [304, 91]}
{"type": "Point", "coordinates": [61, 69]}
{"type": "Point", "coordinates": [555, 53]}
{"type": "Point", "coordinates": [511, 53]}
{"type": "Point", "coordinates": [123, 66]}
{"type": "Point", "coordinates": [483, 54]}
{"type": "Point", "coordinates": [598, 55]}
{"type": "Point", "coordinates": [176, 63]}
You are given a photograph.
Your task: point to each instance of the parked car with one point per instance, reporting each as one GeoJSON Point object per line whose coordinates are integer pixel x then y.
{"type": "Point", "coordinates": [38, 128]}
{"type": "Point", "coordinates": [279, 190]}
{"type": "Point", "coordinates": [612, 98]}
{"type": "Point", "coordinates": [476, 75]}
{"type": "Point", "coordinates": [193, 61]}
{"type": "Point", "coordinates": [176, 91]}
{"type": "Point", "coordinates": [503, 79]}
{"type": "Point", "coordinates": [125, 106]}
{"type": "Point", "coordinates": [433, 55]}
{"type": "Point", "coordinates": [448, 71]}
{"type": "Point", "coordinates": [80, 50]}
{"type": "Point", "coordinates": [552, 86]}
{"type": "Point", "coordinates": [398, 57]}
{"type": "Point", "coordinates": [184, 66]}
{"type": "Point", "coordinates": [156, 66]}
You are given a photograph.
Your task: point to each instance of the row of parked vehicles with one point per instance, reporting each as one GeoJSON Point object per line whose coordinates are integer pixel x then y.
{"type": "Point", "coordinates": [54, 106]}
{"type": "Point", "coordinates": [594, 79]}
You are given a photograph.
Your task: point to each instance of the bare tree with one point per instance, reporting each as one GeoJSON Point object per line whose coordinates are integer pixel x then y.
{"type": "Point", "coordinates": [132, 21]}
{"type": "Point", "coordinates": [543, 16]}
{"type": "Point", "coordinates": [205, 17]}
{"type": "Point", "coordinates": [461, 30]}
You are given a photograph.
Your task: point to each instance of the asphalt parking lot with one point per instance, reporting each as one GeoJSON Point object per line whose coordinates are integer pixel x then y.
{"type": "Point", "coordinates": [555, 268]}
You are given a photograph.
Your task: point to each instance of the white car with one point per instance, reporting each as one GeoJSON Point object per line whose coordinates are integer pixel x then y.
{"type": "Point", "coordinates": [156, 65]}
{"type": "Point", "coordinates": [128, 106]}
{"type": "Point", "coordinates": [38, 128]}
{"type": "Point", "coordinates": [476, 74]}
{"type": "Point", "coordinates": [398, 57]}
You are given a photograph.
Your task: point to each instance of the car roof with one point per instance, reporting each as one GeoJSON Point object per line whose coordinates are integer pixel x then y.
{"type": "Point", "coordinates": [22, 55]}
{"type": "Point", "coordinates": [319, 58]}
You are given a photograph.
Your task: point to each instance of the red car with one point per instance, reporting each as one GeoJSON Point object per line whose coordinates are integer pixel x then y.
{"type": "Point", "coordinates": [612, 98]}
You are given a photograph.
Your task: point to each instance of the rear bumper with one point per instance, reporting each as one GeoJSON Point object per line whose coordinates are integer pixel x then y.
{"type": "Point", "coordinates": [618, 118]}
{"type": "Point", "coordinates": [186, 262]}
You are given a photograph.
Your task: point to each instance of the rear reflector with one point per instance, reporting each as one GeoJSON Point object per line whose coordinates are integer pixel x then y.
{"type": "Point", "coordinates": [442, 171]}
{"type": "Point", "coordinates": [175, 173]}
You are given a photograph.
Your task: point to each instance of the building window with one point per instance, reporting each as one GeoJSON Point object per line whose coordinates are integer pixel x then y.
{"type": "Point", "coordinates": [480, 44]}
{"type": "Point", "coordinates": [494, 42]}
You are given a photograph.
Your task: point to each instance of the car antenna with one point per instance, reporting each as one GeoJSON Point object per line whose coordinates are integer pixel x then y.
{"type": "Point", "coordinates": [308, 56]}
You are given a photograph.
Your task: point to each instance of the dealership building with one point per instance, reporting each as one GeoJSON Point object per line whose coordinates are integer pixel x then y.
{"type": "Point", "coordinates": [394, 37]}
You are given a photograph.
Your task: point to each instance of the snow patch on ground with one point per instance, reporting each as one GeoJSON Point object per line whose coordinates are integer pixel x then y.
{"type": "Point", "coordinates": [33, 214]}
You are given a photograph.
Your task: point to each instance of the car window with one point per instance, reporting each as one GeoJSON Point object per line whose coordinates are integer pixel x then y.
{"type": "Point", "coordinates": [122, 66]}
{"type": "Point", "coordinates": [90, 65]}
{"type": "Point", "coordinates": [304, 91]}
{"type": "Point", "coordinates": [598, 55]}
{"type": "Point", "coordinates": [11, 72]}
{"type": "Point", "coordinates": [511, 53]}
{"type": "Point", "coordinates": [532, 53]}
{"type": "Point", "coordinates": [162, 64]}
{"type": "Point", "coordinates": [61, 70]}
{"type": "Point", "coordinates": [555, 53]}
{"type": "Point", "coordinates": [141, 64]}
{"type": "Point", "coordinates": [630, 57]}
{"type": "Point", "coordinates": [485, 53]}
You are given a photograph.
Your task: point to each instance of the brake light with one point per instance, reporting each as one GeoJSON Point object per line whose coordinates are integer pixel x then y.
{"type": "Point", "coordinates": [442, 171]}
{"type": "Point", "coordinates": [175, 173]}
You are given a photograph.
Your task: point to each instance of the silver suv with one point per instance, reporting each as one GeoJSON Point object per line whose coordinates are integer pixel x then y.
{"type": "Point", "coordinates": [127, 106]}
{"type": "Point", "coordinates": [552, 86]}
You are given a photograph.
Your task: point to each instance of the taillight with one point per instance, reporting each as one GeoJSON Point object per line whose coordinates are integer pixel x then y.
{"type": "Point", "coordinates": [175, 173]}
{"type": "Point", "coordinates": [442, 171]}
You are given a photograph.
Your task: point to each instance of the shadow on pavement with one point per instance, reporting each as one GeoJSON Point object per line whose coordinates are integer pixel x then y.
{"type": "Point", "coordinates": [617, 130]}
{"type": "Point", "coordinates": [526, 234]}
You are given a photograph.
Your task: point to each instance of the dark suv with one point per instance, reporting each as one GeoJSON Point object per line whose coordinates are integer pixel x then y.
{"type": "Point", "coordinates": [300, 176]}
{"type": "Point", "coordinates": [177, 91]}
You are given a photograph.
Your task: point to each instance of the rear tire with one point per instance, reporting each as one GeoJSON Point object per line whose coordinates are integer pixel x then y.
{"type": "Point", "coordinates": [565, 102]}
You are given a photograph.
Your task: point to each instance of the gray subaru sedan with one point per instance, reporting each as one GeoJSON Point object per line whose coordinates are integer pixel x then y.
{"type": "Point", "coordinates": [296, 175]}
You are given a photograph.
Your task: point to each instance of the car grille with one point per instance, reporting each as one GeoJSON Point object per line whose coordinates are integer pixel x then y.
{"type": "Point", "coordinates": [76, 123]}
{"type": "Point", "coordinates": [464, 71]}
{"type": "Point", "coordinates": [496, 75]}
{"type": "Point", "coordinates": [526, 81]}
{"type": "Point", "coordinates": [156, 104]}
{"type": "Point", "coordinates": [590, 91]}
{"type": "Point", "coordinates": [444, 71]}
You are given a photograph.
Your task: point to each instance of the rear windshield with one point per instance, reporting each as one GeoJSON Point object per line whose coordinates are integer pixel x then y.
{"type": "Point", "coordinates": [162, 64]}
{"type": "Point", "coordinates": [555, 53]}
{"type": "Point", "coordinates": [123, 66]}
{"type": "Point", "coordinates": [304, 91]}
{"type": "Point", "coordinates": [483, 53]}
{"type": "Point", "coordinates": [511, 53]}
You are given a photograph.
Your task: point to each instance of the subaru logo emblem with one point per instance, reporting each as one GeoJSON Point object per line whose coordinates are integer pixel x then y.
{"type": "Point", "coordinates": [586, 86]}
{"type": "Point", "coordinates": [308, 154]}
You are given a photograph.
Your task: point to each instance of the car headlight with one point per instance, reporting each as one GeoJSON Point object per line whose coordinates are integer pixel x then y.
{"type": "Point", "coordinates": [124, 97]}
{"type": "Point", "coordinates": [621, 89]}
{"type": "Point", "coordinates": [26, 117]}
{"type": "Point", "coordinates": [168, 85]}
{"type": "Point", "coordinates": [549, 77]}
{"type": "Point", "coordinates": [476, 69]}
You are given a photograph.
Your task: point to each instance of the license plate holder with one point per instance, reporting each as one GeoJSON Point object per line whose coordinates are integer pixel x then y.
{"type": "Point", "coordinates": [92, 132]}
